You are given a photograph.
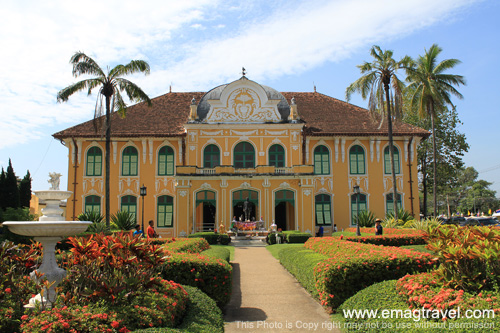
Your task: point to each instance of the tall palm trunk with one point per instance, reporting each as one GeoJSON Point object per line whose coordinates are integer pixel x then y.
{"type": "Point", "coordinates": [391, 149]}
{"type": "Point", "coordinates": [434, 157]}
{"type": "Point", "coordinates": [108, 158]}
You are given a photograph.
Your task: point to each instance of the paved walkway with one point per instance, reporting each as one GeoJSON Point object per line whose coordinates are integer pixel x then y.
{"type": "Point", "coordinates": [266, 298]}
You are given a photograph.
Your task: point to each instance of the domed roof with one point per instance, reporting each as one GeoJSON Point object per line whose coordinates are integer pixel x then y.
{"type": "Point", "coordinates": [216, 93]}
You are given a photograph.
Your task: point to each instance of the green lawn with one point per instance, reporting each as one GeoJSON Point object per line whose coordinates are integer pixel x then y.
{"type": "Point", "coordinates": [275, 248]}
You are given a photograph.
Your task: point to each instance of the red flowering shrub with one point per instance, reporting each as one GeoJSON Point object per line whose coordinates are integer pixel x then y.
{"type": "Point", "coordinates": [213, 276]}
{"type": "Point", "coordinates": [426, 291]}
{"type": "Point", "coordinates": [354, 266]}
{"type": "Point", "coordinates": [16, 288]}
{"type": "Point", "coordinates": [387, 231]}
{"type": "Point", "coordinates": [469, 257]}
{"type": "Point", "coordinates": [160, 306]}
{"type": "Point", "coordinates": [391, 237]}
{"type": "Point", "coordinates": [187, 245]}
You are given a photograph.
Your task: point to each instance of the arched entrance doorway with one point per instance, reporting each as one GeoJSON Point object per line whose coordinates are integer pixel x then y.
{"type": "Point", "coordinates": [239, 197]}
{"type": "Point", "coordinates": [284, 209]}
{"type": "Point", "coordinates": [205, 211]}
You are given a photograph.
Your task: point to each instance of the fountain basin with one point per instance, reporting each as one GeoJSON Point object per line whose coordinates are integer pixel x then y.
{"type": "Point", "coordinates": [47, 229]}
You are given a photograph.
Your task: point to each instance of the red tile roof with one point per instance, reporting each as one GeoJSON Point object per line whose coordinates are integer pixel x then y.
{"type": "Point", "coordinates": [323, 116]}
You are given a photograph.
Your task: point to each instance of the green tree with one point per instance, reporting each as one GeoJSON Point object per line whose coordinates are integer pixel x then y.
{"type": "Point", "coordinates": [111, 85]}
{"type": "Point", "coordinates": [473, 194]}
{"type": "Point", "coordinates": [432, 89]}
{"type": "Point", "coordinates": [3, 190]}
{"type": "Point", "coordinates": [451, 143]}
{"type": "Point", "coordinates": [25, 190]}
{"type": "Point", "coordinates": [380, 84]}
{"type": "Point", "coordinates": [11, 198]}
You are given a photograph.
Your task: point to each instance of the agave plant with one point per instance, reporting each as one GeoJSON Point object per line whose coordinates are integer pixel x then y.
{"type": "Point", "coordinates": [366, 219]}
{"type": "Point", "coordinates": [426, 224]}
{"type": "Point", "coordinates": [92, 216]}
{"type": "Point", "coordinates": [390, 223]}
{"type": "Point", "coordinates": [124, 220]}
{"type": "Point", "coordinates": [403, 215]}
{"type": "Point", "coordinates": [98, 227]}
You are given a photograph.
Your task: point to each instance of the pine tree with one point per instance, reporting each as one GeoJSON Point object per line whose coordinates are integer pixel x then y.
{"type": "Point", "coordinates": [3, 190]}
{"type": "Point", "coordinates": [11, 189]}
{"type": "Point", "coordinates": [25, 191]}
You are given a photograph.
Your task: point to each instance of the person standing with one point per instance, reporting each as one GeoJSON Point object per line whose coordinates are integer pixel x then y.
{"type": "Point", "coordinates": [151, 230]}
{"type": "Point", "coordinates": [378, 227]}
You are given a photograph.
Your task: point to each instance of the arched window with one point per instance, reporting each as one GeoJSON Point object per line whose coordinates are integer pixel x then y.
{"type": "Point", "coordinates": [277, 156]}
{"type": "Point", "coordinates": [129, 204]}
{"type": "Point", "coordinates": [166, 161]}
{"type": "Point", "coordinates": [321, 160]}
{"type": "Point", "coordinates": [130, 160]}
{"type": "Point", "coordinates": [357, 160]}
{"type": "Point", "coordinates": [94, 162]}
{"type": "Point", "coordinates": [387, 160]}
{"type": "Point", "coordinates": [165, 209]}
{"type": "Point", "coordinates": [211, 156]}
{"type": "Point", "coordinates": [244, 156]}
{"type": "Point", "coordinates": [354, 207]}
{"type": "Point", "coordinates": [93, 204]}
{"type": "Point", "coordinates": [323, 207]}
{"type": "Point", "coordinates": [389, 202]}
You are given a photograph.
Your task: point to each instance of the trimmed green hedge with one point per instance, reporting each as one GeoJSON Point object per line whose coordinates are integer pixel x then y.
{"type": "Point", "coordinates": [390, 240]}
{"type": "Point", "coordinates": [355, 266]}
{"type": "Point", "coordinates": [202, 315]}
{"type": "Point", "coordinates": [271, 238]}
{"type": "Point", "coordinates": [301, 262]}
{"type": "Point", "coordinates": [297, 237]}
{"type": "Point", "coordinates": [212, 276]}
{"type": "Point", "coordinates": [212, 237]}
{"type": "Point", "coordinates": [194, 245]}
{"type": "Point", "coordinates": [218, 253]}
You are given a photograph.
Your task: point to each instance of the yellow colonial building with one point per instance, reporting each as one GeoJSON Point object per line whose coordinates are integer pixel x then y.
{"type": "Point", "coordinates": [294, 156]}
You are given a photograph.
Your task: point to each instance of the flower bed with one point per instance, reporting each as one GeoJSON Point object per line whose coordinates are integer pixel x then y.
{"type": "Point", "coordinates": [387, 231]}
{"type": "Point", "coordinates": [213, 276]}
{"type": "Point", "coordinates": [427, 291]}
{"type": "Point", "coordinates": [354, 266]}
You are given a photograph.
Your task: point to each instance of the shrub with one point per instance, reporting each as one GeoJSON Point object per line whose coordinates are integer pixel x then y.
{"type": "Point", "coordinates": [271, 238]}
{"type": "Point", "coordinates": [354, 266]}
{"type": "Point", "coordinates": [296, 236]}
{"type": "Point", "coordinates": [366, 219]}
{"type": "Point", "coordinates": [15, 214]}
{"type": "Point", "coordinates": [160, 306]}
{"type": "Point", "coordinates": [300, 262]}
{"type": "Point", "coordinates": [218, 253]}
{"type": "Point", "coordinates": [424, 225]}
{"type": "Point", "coordinates": [212, 276]}
{"type": "Point", "coordinates": [390, 240]}
{"type": "Point", "coordinates": [212, 237]}
{"type": "Point", "coordinates": [187, 245]}
{"type": "Point", "coordinates": [391, 222]}
{"type": "Point", "coordinates": [377, 297]}
{"type": "Point", "coordinates": [403, 216]}
{"type": "Point", "coordinates": [124, 220]}
{"type": "Point", "coordinates": [92, 216]}
{"type": "Point", "coordinates": [387, 231]}
{"type": "Point", "coordinates": [16, 262]}
{"type": "Point", "coordinates": [110, 269]}
{"type": "Point", "coordinates": [469, 256]}
{"type": "Point", "coordinates": [203, 316]}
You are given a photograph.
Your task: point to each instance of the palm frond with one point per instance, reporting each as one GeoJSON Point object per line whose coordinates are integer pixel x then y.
{"type": "Point", "coordinates": [134, 92]}
{"type": "Point", "coordinates": [134, 66]}
{"type": "Point", "coordinates": [64, 94]}
{"type": "Point", "coordinates": [83, 64]}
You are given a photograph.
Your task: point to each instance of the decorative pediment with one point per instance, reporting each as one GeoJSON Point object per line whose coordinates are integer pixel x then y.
{"type": "Point", "coordinates": [243, 101]}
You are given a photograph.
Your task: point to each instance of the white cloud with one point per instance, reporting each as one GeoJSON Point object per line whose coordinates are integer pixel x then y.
{"type": "Point", "coordinates": [270, 40]}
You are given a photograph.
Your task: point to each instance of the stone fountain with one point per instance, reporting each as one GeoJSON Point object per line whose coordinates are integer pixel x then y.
{"type": "Point", "coordinates": [50, 229]}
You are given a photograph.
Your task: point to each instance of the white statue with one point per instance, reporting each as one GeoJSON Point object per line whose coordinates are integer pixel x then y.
{"type": "Point", "coordinates": [54, 180]}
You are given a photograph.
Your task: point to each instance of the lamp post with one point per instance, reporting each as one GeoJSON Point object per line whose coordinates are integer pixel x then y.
{"type": "Point", "coordinates": [356, 191]}
{"type": "Point", "coordinates": [143, 192]}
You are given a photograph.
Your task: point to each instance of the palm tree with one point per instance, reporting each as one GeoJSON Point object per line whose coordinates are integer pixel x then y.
{"type": "Point", "coordinates": [384, 89]}
{"type": "Point", "coordinates": [110, 85]}
{"type": "Point", "coordinates": [432, 89]}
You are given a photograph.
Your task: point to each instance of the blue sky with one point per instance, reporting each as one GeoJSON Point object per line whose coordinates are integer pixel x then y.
{"type": "Point", "coordinates": [196, 45]}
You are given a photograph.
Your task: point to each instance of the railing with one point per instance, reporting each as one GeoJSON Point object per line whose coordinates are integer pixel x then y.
{"type": "Point", "coordinates": [283, 171]}
{"type": "Point", "coordinates": [206, 171]}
